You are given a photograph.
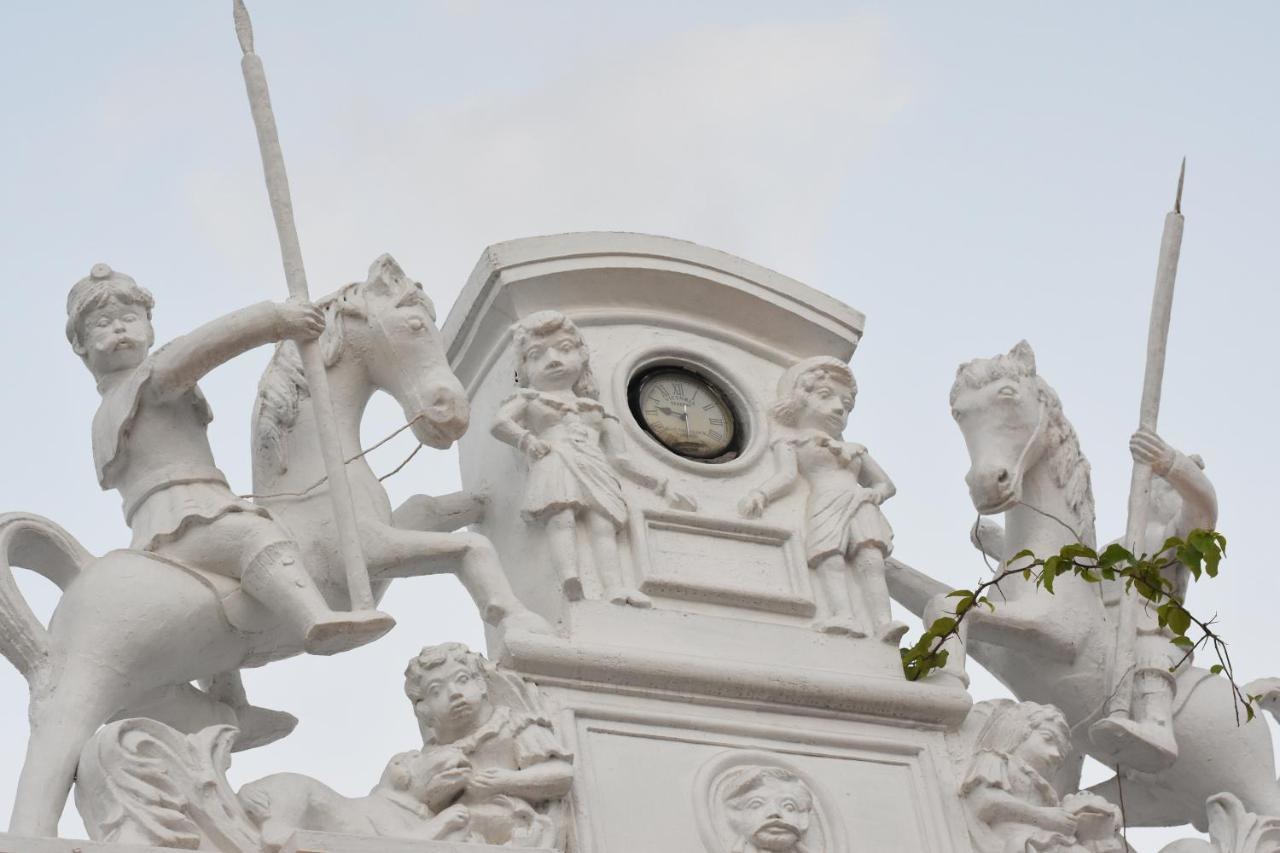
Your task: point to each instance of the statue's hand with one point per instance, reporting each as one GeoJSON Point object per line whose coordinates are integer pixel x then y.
{"type": "Point", "coordinates": [493, 780]}
{"type": "Point", "coordinates": [1060, 820]}
{"type": "Point", "coordinates": [752, 506]}
{"type": "Point", "coordinates": [536, 447]}
{"type": "Point", "coordinates": [446, 783]}
{"type": "Point", "coordinates": [298, 321]}
{"type": "Point", "coordinates": [1150, 449]}
{"type": "Point", "coordinates": [452, 819]}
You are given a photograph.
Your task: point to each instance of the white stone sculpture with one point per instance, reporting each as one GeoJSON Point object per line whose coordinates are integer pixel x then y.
{"type": "Point", "coordinates": [141, 782]}
{"type": "Point", "coordinates": [847, 538]}
{"type": "Point", "coordinates": [397, 807]}
{"type": "Point", "coordinates": [1232, 829]}
{"type": "Point", "coordinates": [1027, 464]}
{"type": "Point", "coordinates": [134, 627]}
{"type": "Point", "coordinates": [1181, 500]}
{"type": "Point", "coordinates": [768, 809]}
{"type": "Point", "coordinates": [576, 452]}
{"type": "Point", "coordinates": [495, 749]}
{"type": "Point", "coordinates": [1007, 787]}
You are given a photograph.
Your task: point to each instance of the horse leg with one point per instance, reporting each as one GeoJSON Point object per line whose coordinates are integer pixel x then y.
{"type": "Point", "coordinates": [189, 710]}
{"type": "Point", "coordinates": [395, 553]}
{"type": "Point", "coordinates": [62, 722]}
{"type": "Point", "coordinates": [1147, 802]}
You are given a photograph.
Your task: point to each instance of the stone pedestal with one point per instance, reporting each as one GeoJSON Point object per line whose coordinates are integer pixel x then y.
{"type": "Point", "coordinates": [302, 842]}
{"type": "Point", "coordinates": [726, 671]}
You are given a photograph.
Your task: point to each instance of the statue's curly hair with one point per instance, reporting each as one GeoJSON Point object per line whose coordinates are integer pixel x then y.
{"type": "Point", "coordinates": [543, 324]}
{"type": "Point", "coordinates": [802, 377]}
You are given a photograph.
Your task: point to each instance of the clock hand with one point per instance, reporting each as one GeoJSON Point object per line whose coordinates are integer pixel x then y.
{"type": "Point", "coordinates": [687, 434]}
{"type": "Point", "coordinates": [674, 413]}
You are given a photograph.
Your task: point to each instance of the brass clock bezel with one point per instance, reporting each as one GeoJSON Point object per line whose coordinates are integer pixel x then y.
{"type": "Point", "coordinates": [732, 449]}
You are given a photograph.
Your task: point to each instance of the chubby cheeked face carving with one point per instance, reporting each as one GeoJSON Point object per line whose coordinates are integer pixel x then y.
{"type": "Point", "coordinates": [774, 815]}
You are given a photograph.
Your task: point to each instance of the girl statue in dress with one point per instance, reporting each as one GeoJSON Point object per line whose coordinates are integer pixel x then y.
{"type": "Point", "coordinates": [847, 538]}
{"type": "Point", "coordinates": [576, 451]}
{"type": "Point", "coordinates": [1008, 791]}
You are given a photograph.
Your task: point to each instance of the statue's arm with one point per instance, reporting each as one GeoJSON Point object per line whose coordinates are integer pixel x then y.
{"type": "Point", "coordinates": [873, 477]}
{"type": "Point", "coordinates": [508, 427]}
{"type": "Point", "coordinates": [179, 365]}
{"type": "Point", "coordinates": [995, 806]}
{"type": "Point", "coordinates": [615, 448]}
{"type": "Point", "coordinates": [1199, 499]}
{"type": "Point", "coordinates": [786, 473]}
{"type": "Point", "coordinates": [546, 780]}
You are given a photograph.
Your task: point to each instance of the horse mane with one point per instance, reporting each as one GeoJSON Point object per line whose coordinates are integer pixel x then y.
{"type": "Point", "coordinates": [283, 386]}
{"type": "Point", "coordinates": [1067, 463]}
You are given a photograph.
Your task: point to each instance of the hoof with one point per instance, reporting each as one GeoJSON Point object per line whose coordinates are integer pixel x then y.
{"type": "Point", "coordinates": [893, 632]}
{"type": "Point", "coordinates": [342, 632]}
{"type": "Point", "coordinates": [261, 726]}
{"type": "Point", "coordinates": [572, 588]}
{"type": "Point", "coordinates": [840, 625]}
{"type": "Point", "coordinates": [630, 597]}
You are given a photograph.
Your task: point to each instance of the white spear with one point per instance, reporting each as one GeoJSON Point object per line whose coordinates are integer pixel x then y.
{"type": "Point", "coordinates": [1140, 482]}
{"type": "Point", "coordinates": [255, 81]}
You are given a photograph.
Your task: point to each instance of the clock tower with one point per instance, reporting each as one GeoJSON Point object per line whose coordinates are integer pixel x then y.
{"type": "Point", "coordinates": [714, 666]}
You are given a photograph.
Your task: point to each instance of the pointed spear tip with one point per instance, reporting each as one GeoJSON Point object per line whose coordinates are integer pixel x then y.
{"type": "Point", "coordinates": [1182, 176]}
{"type": "Point", "coordinates": [244, 28]}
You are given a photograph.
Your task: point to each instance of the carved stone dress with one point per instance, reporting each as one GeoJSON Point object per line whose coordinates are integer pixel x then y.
{"type": "Point", "coordinates": [576, 474]}
{"type": "Point", "coordinates": [840, 516]}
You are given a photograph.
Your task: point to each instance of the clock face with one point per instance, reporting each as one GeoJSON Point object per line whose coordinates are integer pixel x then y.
{"type": "Point", "coordinates": [685, 413]}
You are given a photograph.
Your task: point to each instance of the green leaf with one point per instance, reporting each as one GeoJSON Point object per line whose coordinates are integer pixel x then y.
{"type": "Point", "coordinates": [1113, 554]}
{"type": "Point", "coordinates": [1184, 642]}
{"type": "Point", "coordinates": [960, 593]}
{"type": "Point", "coordinates": [1216, 669]}
{"type": "Point", "coordinates": [1179, 620]}
{"type": "Point", "coordinates": [942, 625]}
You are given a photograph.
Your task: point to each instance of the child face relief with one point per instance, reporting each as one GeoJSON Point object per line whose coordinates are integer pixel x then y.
{"type": "Point", "coordinates": [826, 406]}
{"type": "Point", "coordinates": [115, 336]}
{"type": "Point", "coordinates": [554, 363]}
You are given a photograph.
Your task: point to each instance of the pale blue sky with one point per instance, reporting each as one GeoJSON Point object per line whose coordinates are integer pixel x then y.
{"type": "Point", "coordinates": [966, 174]}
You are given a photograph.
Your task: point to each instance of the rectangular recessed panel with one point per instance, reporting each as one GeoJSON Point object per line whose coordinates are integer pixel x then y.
{"type": "Point", "coordinates": [729, 563]}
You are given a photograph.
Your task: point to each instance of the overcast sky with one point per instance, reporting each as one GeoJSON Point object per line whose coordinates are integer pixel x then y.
{"type": "Point", "coordinates": [966, 175]}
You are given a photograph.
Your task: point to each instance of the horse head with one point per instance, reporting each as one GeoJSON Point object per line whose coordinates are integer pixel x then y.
{"type": "Point", "coordinates": [388, 323]}
{"type": "Point", "coordinates": [1003, 409]}
{"type": "Point", "coordinates": [1012, 421]}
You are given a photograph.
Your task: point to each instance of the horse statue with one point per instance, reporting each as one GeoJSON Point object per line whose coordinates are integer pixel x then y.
{"type": "Point", "coordinates": [1057, 648]}
{"type": "Point", "coordinates": [132, 631]}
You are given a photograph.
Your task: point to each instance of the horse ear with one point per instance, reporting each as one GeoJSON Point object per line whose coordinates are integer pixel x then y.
{"type": "Point", "coordinates": [1024, 355]}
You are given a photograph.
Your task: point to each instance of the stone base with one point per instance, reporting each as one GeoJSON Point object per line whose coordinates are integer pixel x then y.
{"type": "Point", "coordinates": [301, 842]}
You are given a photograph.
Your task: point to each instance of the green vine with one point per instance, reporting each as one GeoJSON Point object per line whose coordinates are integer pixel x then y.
{"type": "Point", "coordinates": [1201, 552]}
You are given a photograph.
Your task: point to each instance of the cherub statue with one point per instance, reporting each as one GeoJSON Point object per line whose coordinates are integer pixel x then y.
{"type": "Point", "coordinates": [284, 803]}
{"type": "Point", "coordinates": [497, 752]}
{"type": "Point", "coordinates": [847, 537]}
{"type": "Point", "coordinates": [150, 443]}
{"type": "Point", "coordinates": [576, 451]}
{"type": "Point", "coordinates": [769, 810]}
{"type": "Point", "coordinates": [1008, 796]}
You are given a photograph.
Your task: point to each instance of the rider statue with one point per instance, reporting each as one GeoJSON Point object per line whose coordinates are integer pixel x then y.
{"type": "Point", "coordinates": [150, 443]}
{"type": "Point", "coordinates": [1182, 500]}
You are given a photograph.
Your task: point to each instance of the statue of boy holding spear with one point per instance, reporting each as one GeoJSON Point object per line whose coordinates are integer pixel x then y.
{"type": "Point", "coordinates": [1169, 495]}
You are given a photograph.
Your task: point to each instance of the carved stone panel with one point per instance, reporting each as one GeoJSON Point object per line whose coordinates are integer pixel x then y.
{"type": "Point", "coordinates": [742, 564]}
